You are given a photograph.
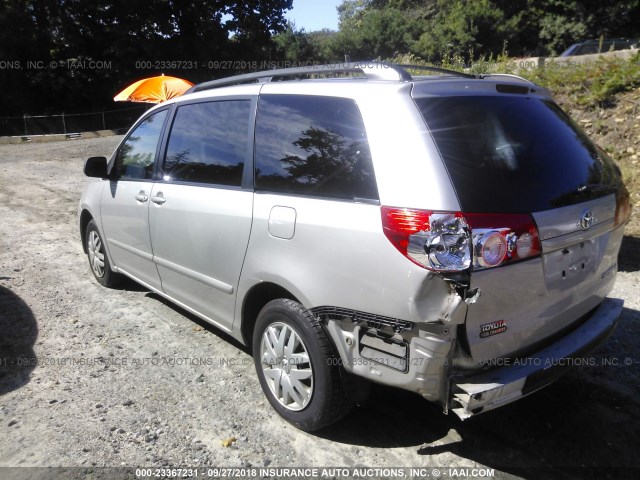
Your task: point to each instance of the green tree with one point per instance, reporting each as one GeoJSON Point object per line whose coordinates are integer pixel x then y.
{"type": "Point", "coordinates": [433, 29]}
{"type": "Point", "coordinates": [295, 45]}
{"type": "Point", "coordinates": [367, 32]}
{"type": "Point", "coordinates": [126, 36]}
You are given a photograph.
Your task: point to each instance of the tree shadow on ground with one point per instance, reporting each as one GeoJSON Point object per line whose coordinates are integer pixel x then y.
{"type": "Point", "coordinates": [18, 334]}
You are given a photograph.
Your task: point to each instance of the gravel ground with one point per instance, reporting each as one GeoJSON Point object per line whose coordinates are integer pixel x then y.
{"type": "Point", "coordinates": [98, 377]}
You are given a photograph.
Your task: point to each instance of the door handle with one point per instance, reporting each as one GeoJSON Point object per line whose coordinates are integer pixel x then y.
{"type": "Point", "coordinates": [158, 199]}
{"type": "Point", "coordinates": [141, 196]}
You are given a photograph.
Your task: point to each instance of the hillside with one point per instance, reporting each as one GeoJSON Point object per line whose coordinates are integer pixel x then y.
{"type": "Point", "coordinates": [615, 126]}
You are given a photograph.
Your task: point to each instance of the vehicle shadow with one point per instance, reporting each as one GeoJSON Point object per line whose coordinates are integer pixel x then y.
{"type": "Point", "coordinates": [130, 285]}
{"type": "Point", "coordinates": [629, 257]}
{"type": "Point", "coordinates": [583, 426]}
{"type": "Point", "coordinates": [18, 334]}
{"type": "Point", "coordinates": [197, 320]}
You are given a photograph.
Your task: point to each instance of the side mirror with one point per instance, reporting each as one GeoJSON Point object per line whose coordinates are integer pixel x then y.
{"type": "Point", "coordinates": [96, 167]}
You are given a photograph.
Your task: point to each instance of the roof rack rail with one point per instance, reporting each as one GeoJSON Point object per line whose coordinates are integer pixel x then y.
{"type": "Point", "coordinates": [438, 70]}
{"type": "Point", "coordinates": [373, 70]}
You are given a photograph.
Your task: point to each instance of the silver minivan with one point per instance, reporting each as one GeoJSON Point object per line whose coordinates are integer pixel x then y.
{"type": "Point", "coordinates": [452, 235]}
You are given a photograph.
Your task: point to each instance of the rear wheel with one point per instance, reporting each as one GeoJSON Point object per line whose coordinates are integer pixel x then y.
{"type": "Point", "coordinates": [98, 260]}
{"type": "Point", "coordinates": [297, 366]}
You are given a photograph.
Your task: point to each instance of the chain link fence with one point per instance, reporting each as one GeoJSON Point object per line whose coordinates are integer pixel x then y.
{"type": "Point", "coordinates": [64, 123]}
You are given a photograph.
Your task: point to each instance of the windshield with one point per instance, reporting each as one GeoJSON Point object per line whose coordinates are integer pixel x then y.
{"type": "Point", "coordinates": [515, 154]}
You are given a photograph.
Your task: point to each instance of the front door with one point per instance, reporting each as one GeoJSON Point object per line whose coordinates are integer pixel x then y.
{"type": "Point", "coordinates": [125, 202]}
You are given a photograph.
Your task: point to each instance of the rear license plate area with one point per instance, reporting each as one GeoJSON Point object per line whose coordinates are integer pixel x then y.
{"type": "Point", "coordinates": [570, 265]}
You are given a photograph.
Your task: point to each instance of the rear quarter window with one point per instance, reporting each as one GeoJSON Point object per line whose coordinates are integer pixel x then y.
{"type": "Point", "coordinates": [312, 145]}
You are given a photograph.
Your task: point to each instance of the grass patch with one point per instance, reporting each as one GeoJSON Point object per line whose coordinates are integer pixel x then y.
{"type": "Point", "coordinates": [593, 84]}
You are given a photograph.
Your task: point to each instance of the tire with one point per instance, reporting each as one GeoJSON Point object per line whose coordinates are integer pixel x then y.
{"type": "Point", "coordinates": [98, 259]}
{"type": "Point", "coordinates": [317, 398]}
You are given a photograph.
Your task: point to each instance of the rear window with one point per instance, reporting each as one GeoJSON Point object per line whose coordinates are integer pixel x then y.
{"type": "Point", "coordinates": [515, 154]}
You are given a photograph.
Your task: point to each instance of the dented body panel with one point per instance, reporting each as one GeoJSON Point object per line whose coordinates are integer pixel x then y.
{"type": "Point", "coordinates": [535, 299]}
{"type": "Point", "coordinates": [511, 379]}
{"type": "Point", "coordinates": [465, 324]}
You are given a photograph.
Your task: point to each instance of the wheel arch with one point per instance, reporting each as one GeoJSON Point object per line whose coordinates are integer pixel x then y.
{"type": "Point", "coordinates": [85, 218]}
{"type": "Point", "coordinates": [255, 299]}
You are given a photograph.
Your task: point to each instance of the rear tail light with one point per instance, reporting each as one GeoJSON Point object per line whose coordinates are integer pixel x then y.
{"type": "Point", "coordinates": [623, 201]}
{"type": "Point", "coordinates": [491, 248]}
{"type": "Point", "coordinates": [453, 241]}
{"type": "Point", "coordinates": [623, 206]}
{"type": "Point", "coordinates": [503, 238]}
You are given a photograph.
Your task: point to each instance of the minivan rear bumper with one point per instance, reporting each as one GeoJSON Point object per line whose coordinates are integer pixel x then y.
{"type": "Point", "coordinates": [519, 377]}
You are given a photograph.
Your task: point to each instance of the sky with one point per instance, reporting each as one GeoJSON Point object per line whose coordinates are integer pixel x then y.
{"type": "Point", "coordinates": [314, 14]}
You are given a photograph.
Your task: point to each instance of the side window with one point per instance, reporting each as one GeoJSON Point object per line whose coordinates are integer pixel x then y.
{"type": "Point", "coordinates": [313, 145]}
{"type": "Point", "coordinates": [135, 157]}
{"type": "Point", "coordinates": [208, 143]}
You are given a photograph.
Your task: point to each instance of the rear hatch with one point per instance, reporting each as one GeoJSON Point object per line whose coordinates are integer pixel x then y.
{"type": "Point", "coordinates": [519, 156]}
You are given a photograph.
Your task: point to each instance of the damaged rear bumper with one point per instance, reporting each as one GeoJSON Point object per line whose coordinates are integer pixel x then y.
{"type": "Point", "coordinates": [518, 378]}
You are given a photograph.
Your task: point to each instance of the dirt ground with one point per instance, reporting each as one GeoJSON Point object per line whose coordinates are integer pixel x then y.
{"type": "Point", "coordinates": [91, 376]}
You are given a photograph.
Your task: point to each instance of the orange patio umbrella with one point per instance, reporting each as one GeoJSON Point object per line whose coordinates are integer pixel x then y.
{"type": "Point", "coordinates": [154, 89]}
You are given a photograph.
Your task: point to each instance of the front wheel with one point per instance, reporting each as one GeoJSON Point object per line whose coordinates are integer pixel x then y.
{"type": "Point", "coordinates": [297, 366]}
{"type": "Point", "coordinates": [98, 259]}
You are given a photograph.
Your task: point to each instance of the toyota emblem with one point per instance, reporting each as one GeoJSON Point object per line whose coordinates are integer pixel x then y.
{"type": "Point", "coordinates": [586, 220]}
